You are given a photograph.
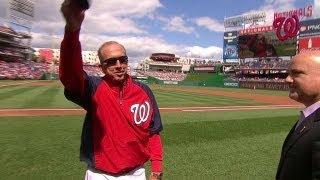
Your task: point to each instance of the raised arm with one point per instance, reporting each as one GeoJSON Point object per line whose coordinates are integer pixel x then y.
{"type": "Point", "coordinates": [71, 66]}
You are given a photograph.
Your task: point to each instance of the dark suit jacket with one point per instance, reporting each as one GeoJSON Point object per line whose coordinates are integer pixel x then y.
{"type": "Point", "coordinates": [300, 154]}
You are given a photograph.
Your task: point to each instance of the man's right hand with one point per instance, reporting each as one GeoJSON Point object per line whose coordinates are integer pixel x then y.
{"type": "Point", "coordinates": [73, 15]}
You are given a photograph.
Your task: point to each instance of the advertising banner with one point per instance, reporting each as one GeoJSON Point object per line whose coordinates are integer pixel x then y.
{"type": "Point", "coordinates": [309, 42]}
{"type": "Point", "coordinates": [231, 60]}
{"type": "Point", "coordinates": [230, 37]}
{"type": "Point", "coordinates": [256, 30]}
{"type": "Point", "coordinates": [237, 21]}
{"type": "Point", "coordinates": [230, 48]}
{"type": "Point", "coordinates": [310, 27]}
{"type": "Point", "coordinates": [204, 68]}
{"type": "Point", "coordinates": [230, 52]}
{"type": "Point", "coordinates": [300, 12]}
{"type": "Point", "coordinates": [231, 84]}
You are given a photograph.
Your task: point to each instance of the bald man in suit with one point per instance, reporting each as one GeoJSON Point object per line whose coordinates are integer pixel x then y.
{"type": "Point", "coordinates": [300, 151]}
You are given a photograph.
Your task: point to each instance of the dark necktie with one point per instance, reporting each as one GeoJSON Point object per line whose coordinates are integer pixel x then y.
{"type": "Point", "coordinates": [301, 119]}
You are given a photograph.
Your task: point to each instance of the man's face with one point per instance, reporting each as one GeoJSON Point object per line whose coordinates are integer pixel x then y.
{"type": "Point", "coordinates": [304, 80]}
{"type": "Point", "coordinates": [115, 62]}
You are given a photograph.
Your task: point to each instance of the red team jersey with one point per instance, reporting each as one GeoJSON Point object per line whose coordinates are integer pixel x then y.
{"type": "Point", "coordinates": [122, 124]}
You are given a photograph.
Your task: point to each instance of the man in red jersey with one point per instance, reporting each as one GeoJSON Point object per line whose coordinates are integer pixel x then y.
{"type": "Point", "coordinates": [122, 125]}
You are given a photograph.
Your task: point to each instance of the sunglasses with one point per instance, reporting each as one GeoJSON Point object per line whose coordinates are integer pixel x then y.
{"type": "Point", "coordinates": [113, 61]}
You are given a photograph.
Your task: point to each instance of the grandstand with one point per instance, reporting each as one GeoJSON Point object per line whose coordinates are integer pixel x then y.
{"type": "Point", "coordinates": [19, 61]}
{"type": "Point", "coordinates": [12, 45]}
{"type": "Point", "coordinates": [263, 57]}
{"type": "Point", "coordinates": [265, 73]}
{"type": "Point", "coordinates": [253, 57]}
{"type": "Point", "coordinates": [14, 51]}
{"type": "Point", "coordinates": [164, 67]}
{"type": "Point", "coordinates": [23, 70]}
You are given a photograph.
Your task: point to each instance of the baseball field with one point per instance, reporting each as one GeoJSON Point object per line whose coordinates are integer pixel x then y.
{"type": "Point", "coordinates": [209, 133]}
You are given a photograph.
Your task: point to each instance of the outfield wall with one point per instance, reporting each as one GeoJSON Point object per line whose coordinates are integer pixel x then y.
{"type": "Point", "coordinates": [264, 85]}
{"type": "Point", "coordinates": [204, 79]}
{"type": "Point", "coordinates": [221, 80]}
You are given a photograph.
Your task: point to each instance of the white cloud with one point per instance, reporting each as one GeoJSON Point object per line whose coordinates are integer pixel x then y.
{"type": "Point", "coordinates": [41, 40]}
{"type": "Point", "coordinates": [115, 20]}
{"type": "Point", "coordinates": [3, 7]}
{"type": "Point", "coordinates": [105, 23]}
{"type": "Point", "coordinates": [52, 27]}
{"type": "Point", "coordinates": [201, 52]}
{"type": "Point", "coordinates": [177, 24]}
{"type": "Point", "coordinates": [125, 8]}
{"type": "Point", "coordinates": [316, 8]}
{"type": "Point", "coordinates": [47, 18]}
{"type": "Point", "coordinates": [272, 6]}
{"type": "Point", "coordinates": [112, 16]}
{"type": "Point", "coordinates": [138, 47]}
{"type": "Point", "coordinates": [209, 23]}
{"type": "Point", "coordinates": [117, 16]}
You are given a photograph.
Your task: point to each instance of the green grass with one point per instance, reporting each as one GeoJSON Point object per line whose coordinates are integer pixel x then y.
{"type": "Point", "coordinates": [15, 82]}
{"type": "Point", "coordinates": [195, 117]}
{"type": "Point", "coordinates": [29, 96]}
{"type": "Point", "coordinates": [206, 145]}
{"type": "Point", "coordinates": [240, 90]}
{"type": "Point", "coordinates": [183, 99]}
{"type": "Point", "coordinates": [198, 145]}
{"type": "Point", "coordinates": [40, 148]}
{"type": "Point", "coordinates": [51, 96]}
{"type": "Point", "coordinates": [203, 79]}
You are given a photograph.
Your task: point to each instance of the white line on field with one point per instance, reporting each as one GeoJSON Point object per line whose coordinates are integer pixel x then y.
{"type": "Point", "coordinates": [15, 84]}
{"type": "Point", "coordinates": [186, 109]}
{"type": "Point", "coordinates": [40, 109]}
{"type": "Point", "coordinates": [235, 109]}
{"type": "Point", "coordinates": [228, 107]}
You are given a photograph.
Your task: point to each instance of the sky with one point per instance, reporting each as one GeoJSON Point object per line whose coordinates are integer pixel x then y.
{"type": "Point", "coordinates": [187, 28]}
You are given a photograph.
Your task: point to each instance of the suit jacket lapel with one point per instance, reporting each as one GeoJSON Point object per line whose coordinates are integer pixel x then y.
{"type": "Point", "coordinates": [304, 127]}
{"type": "Point", "coordinates": [294, 135]}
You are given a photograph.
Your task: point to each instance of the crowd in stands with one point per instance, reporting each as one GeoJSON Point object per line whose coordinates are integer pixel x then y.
{"type": "Point", "coordinates": [165, 76]}
{"type": "Point", "coordinates": [23, 70]}
{"type": "Point", "coordinates": [271, 70]}
{"type": "Point", "coordinates": [35, 70]}
{"type": "Point", "coordinates": [265, 64]}
{"type": "Point", "coordinates": [7, 51]}
{"type": "Point", "coordinates": [93, 70]}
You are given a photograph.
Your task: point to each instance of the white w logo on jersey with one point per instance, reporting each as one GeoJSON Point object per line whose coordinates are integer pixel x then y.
{"type": "Point", "coordinates": [140, 112]}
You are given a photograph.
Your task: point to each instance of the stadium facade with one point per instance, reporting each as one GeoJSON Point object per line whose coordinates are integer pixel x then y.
{"type": "Point", "coordinates": [256, 54]}
{"type": "Point", "coordinates": [264, 50]}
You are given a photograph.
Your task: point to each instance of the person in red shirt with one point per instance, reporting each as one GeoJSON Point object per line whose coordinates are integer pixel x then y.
{"type": "Point", "coordinates": [121, 131]}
